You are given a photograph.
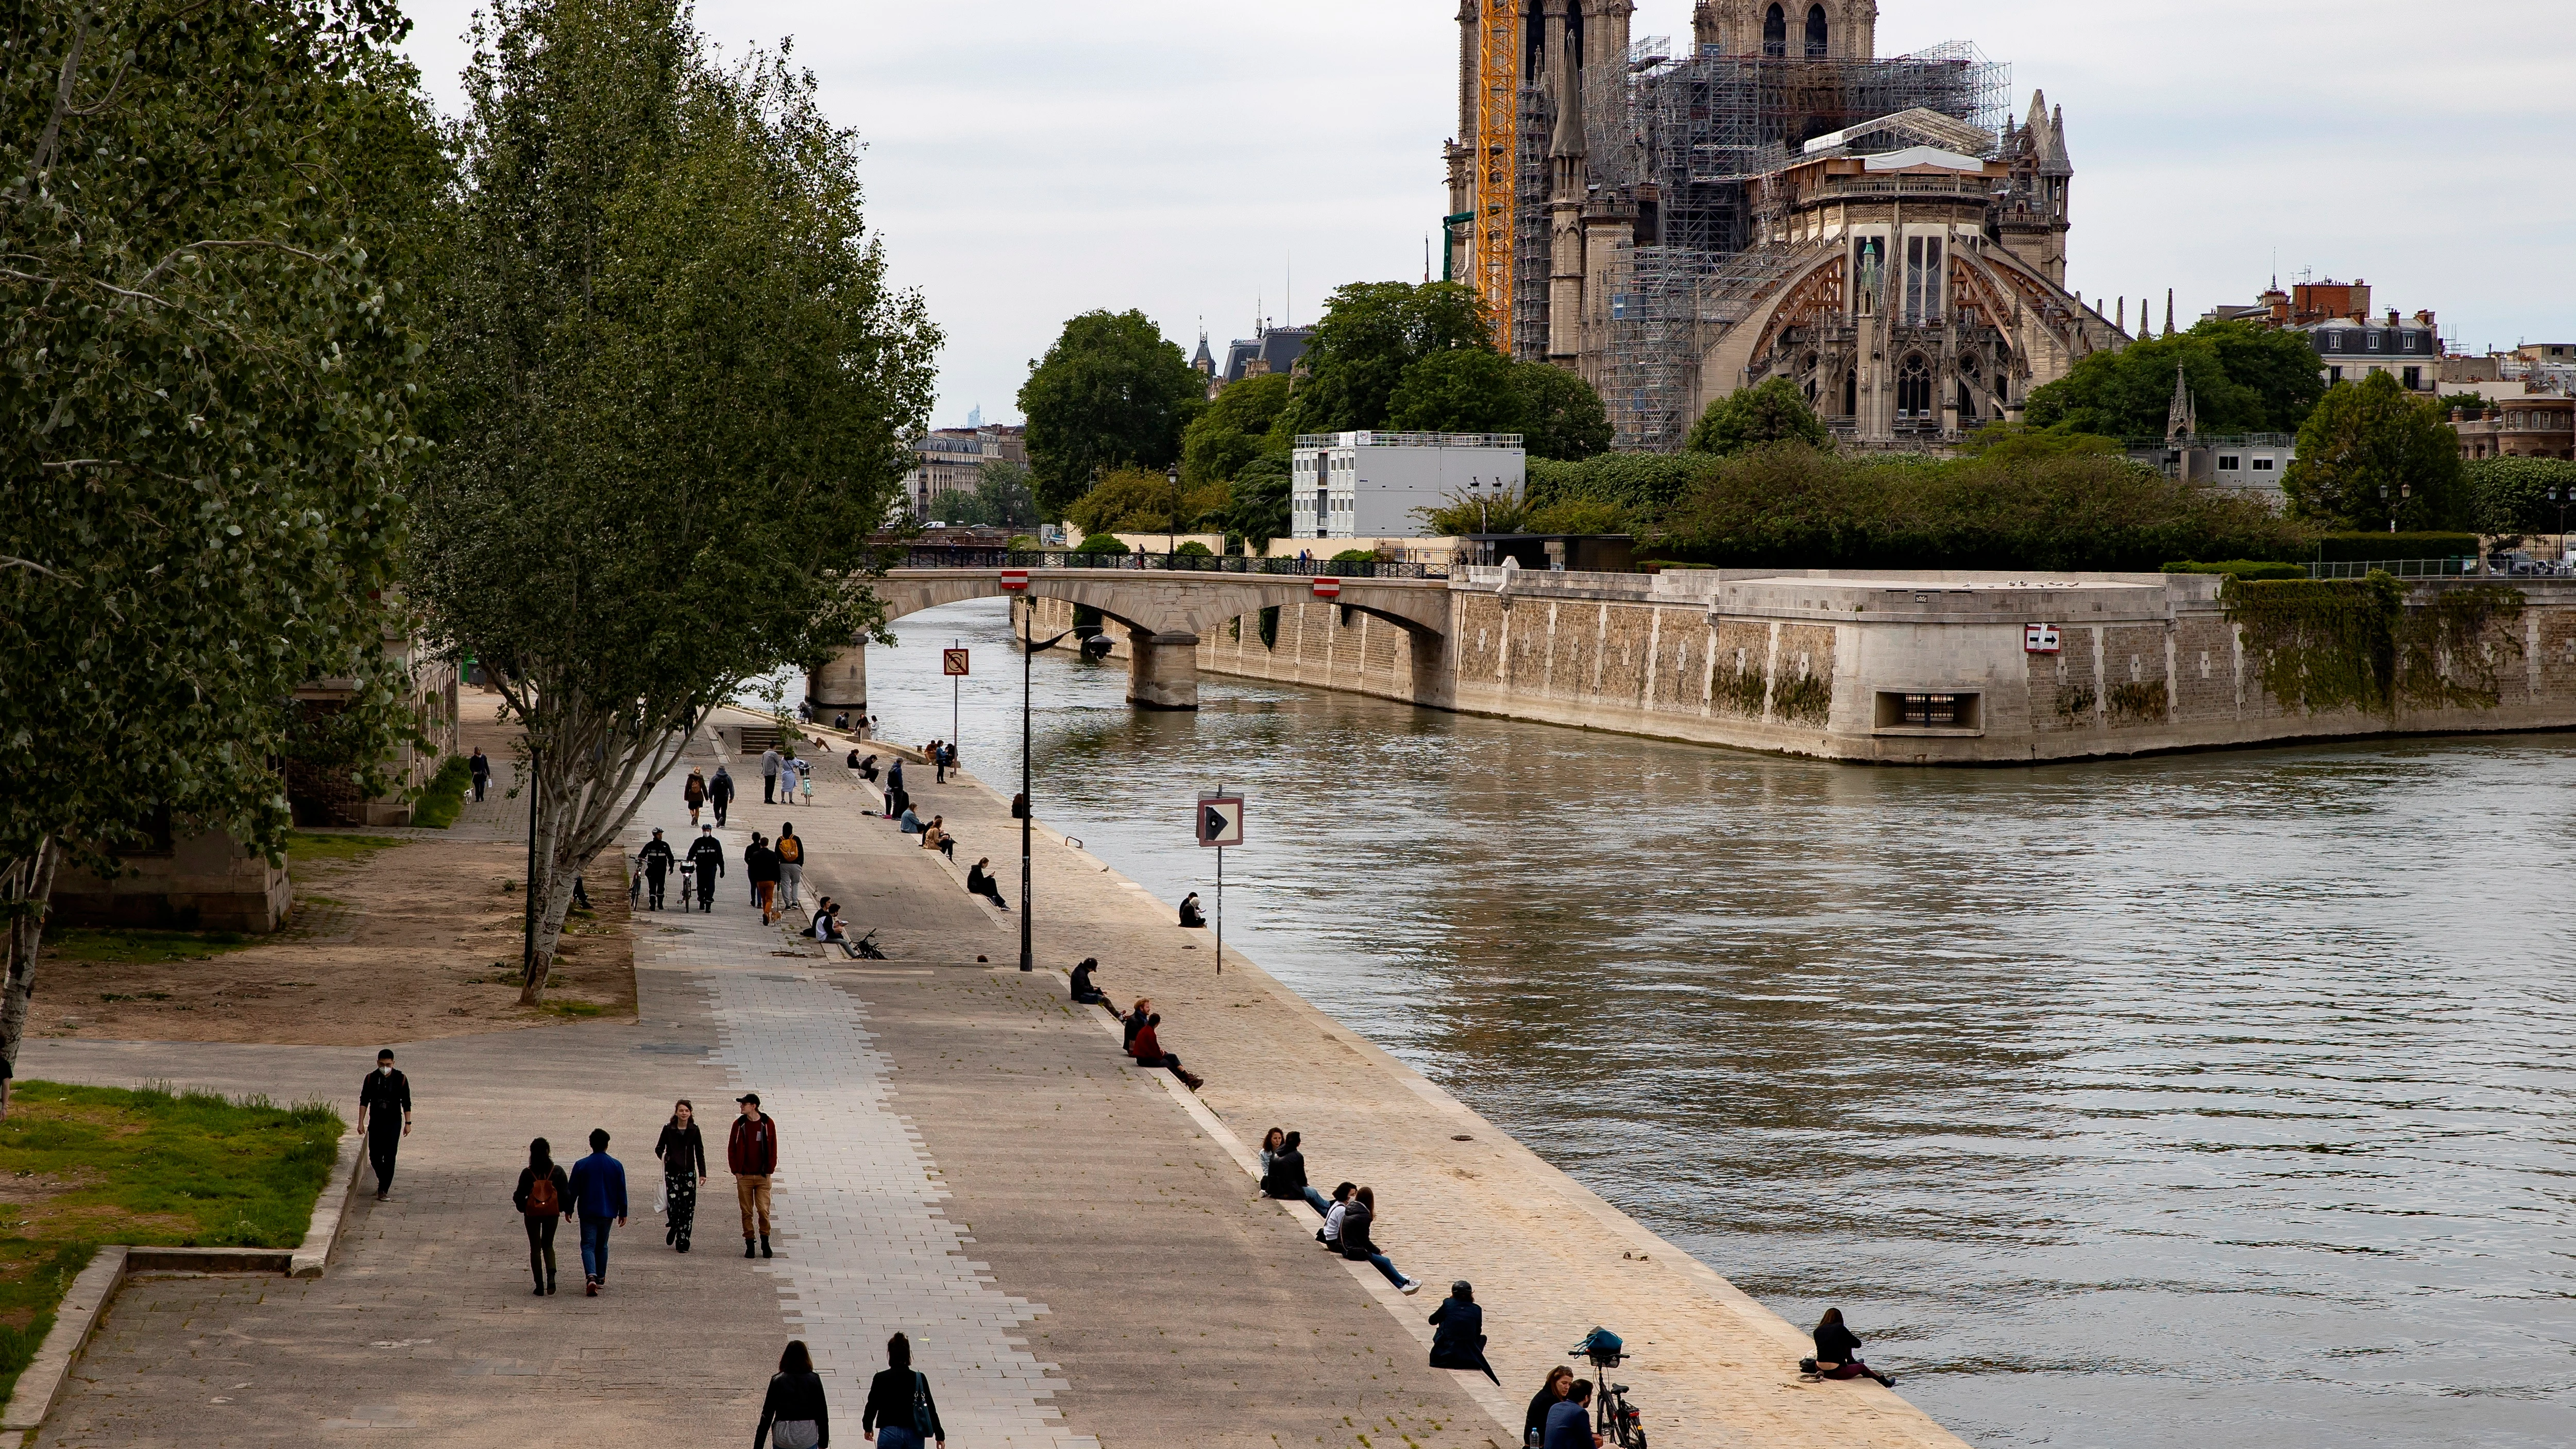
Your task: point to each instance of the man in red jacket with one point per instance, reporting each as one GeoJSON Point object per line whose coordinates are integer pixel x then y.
{"type": "Point", "coordinates": [751, 1153]}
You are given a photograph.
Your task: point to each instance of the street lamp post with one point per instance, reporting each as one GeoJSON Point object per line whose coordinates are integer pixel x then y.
{"type": "Point", "coordinates": [1172, 536]}
{"type": "Point", "coordinates": [1029, 649]}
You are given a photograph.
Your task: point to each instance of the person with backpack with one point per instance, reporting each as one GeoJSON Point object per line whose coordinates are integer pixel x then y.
{"type": "Point", "coordinates": [751, 1154]}
{"type": "Point", "coordinates": [791, 865]}
{"type": "Point", "coordinates": [900, 1414]}
{"type": "Point", "coordinates": [793, 1414]}
{"type": "Point", "coordinates": [683, 1150]}
{"type": "Point", "coordinates": [706, 861]}
{"type": "Point", "coordinates": [694, 794]}
{"type": "Point", "coordinates": [541, 1197]}
{"type": "Point", "coordinates": [599, 1195]}
{"type": "Point", "coordinates": [720, 792]}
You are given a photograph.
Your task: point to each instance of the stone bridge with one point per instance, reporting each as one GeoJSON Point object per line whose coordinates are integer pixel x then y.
{"type": "Point", "coordinates": [1163, 614]}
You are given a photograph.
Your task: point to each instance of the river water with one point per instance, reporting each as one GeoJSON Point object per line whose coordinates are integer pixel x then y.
{"type": "Point", "coordinates": [2189, 1103]}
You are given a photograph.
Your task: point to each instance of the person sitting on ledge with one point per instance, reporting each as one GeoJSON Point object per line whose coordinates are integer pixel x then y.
{"type": "Point", "coordinates": [980, 882]}
{"type": "Point", "coordinates": [1191, 915]}
{"type": "Point", "coordinates": [1083, 989]}
{"type": "Point", "coordinates": [1147, 1048]}
{"type": "Point", "coordinates": [1838, 1351]}
{"type": "Point", "coordinates": [911, 822]}
{"type": "Point", "coordinates": [1284, 1177]}
{"type": "Point", "coordinates": [867, 767]}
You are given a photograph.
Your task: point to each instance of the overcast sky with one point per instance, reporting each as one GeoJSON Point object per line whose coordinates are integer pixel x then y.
{"type": "Point", "coordinates": [1224, 159]}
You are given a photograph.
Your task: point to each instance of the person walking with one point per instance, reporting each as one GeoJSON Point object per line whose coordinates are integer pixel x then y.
{"type": "Point", "coordinates": [683, 1150]}
{"type": "Point", "coordinates": [1560, 1382]}
{"type": "Point", "coordinates": [1569, 1420]}
{"type": "Point", "coordinates": [706, 862]}
{"type": "Point", "coordinates": [656, 861]}
{"type": "Point", "coordinates": [793, 1414]}
{"type": "Point", "coordinates": [599, 1195]}
{"type": "Point", "coordinates": [1358, 1219]}
{"type": "Point", "coordinates": [791, 865]}
{"type": "Point", "coordinates": [478, 768]}
{"type": "Point", "coordinates": [980, 882]}
{"type": "Point", "coordinates": [1458, 1333]}
{"type": "Point", "coordinates": [894, 787]}
{"type": "Point", "coordinates": [769, 775]}
{"type": "Point", "coordinates": [384, 1118]}
{"type": "Point", "coordinates": [720, 792]}
{"type": "Point", "coordinates": [788, 765]}
{"type": "Point", "coordinates": [805, 781]}
{"type": "Point", "coordinates": [760, 863]}
{"type": "Point", "coordinates": [751, 1155]}
{"type": "Point", "coordinates": [541, 1197]}
{"type": "Point", "coordinates": [900, 1413]}
{"type": "Point", "coordinates": [694, 792]}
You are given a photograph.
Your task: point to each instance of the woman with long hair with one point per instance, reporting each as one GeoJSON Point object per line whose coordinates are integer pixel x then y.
{"type": "Point", "coordinates": [793, 1415]}
{"type": "Point", "coordinates": [543, 1194]}
{"type": "Point", "coordinates": [900, 1414]}
{"type": "Point", "coordinates": [1358, 1219]}
{"type": "Point", "coordinates": [1560, 1382]}
{"type": "Point", "coordinates": [1838, 1351]}
{"type": "Point", "coordinates": [684, 1170]}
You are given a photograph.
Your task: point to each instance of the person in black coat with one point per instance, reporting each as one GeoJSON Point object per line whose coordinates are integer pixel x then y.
{"type": "Point", "coordinates": [683, 1151]}
{"type": "Point", "coordinates": [657, 862]}
{"type": "Point", "coordinates": [1838, 1351]}
{"type": "Point", "coordinates": [900, 1411]}
{"type": "Point", "coordinates": [1560, 1382]}
{"type": "Point", "coordinates": [384, 1118]}
{"type": "Point", "coordinates": [1458, 1333]}
{"type": "Point", "coordinates": [980, 882]}
{"type": "Point", "coordinates": [720, 792]}
{"type": "Point", "coordinates": [706, 858]}
{"type": "Point", "coordinates": [1285, 1178]}
{"type": "Point", "coordinates": [542, 1211]}
{"type": "Point", "coordinates": [1086, 991]}
{"type": "Point", "coordinates": [793, 1414]}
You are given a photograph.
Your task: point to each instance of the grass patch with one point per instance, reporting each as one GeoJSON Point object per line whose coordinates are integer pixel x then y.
{"type": "Point", "coordinates": [139, 947]}
{"type": "Point", "coordinates": [81, 1166]}
{"type": "Point", "coordinates": [304, 847]}
{"type": "Point", "coordinates": [443, 798]}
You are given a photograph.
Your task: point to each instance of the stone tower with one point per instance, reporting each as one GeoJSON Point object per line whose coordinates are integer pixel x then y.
{"type": "Point", "coordinates": [1788, 29]}
{"type": "Point", "coordinates": [2032, 218]}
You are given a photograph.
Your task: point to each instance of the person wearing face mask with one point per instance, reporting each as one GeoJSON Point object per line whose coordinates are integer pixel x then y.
{"type": "Point", "coordinates": [384, 1117]}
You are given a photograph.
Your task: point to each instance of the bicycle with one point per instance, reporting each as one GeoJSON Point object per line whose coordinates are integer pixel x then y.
{"type": "Point", "coordinates": [1618, 1422]}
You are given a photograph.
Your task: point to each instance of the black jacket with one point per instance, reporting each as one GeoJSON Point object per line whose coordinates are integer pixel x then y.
{"type": "Point", "coordinates": [386, 1096]}
{"type": "Point", "coordinates": [1458, 1336]}
{"type": "Point", "coordinates": [1287, 1175]}
{"type": "Point", "coordinates": [1355, 1231]}
{"type": "Point", "coordinates": [706, 854]}
{"type": "Point", "coordinates": [760, 863]}
{"type": "Point", "coordinates": [1836, 1344]}
{"type": "Point", "coordinates": [528, 1179]}
{"type": "Point", "coordinates": [1545, 1400]}
{"type": "Point", "coordinates": [890, 1402]}
{"type": "Point", "coordinates": [678, 1147]}
{"type": "Point", "coordinates": [656, 858]}
{"type": "Point", "coordinates": [795, 1396]}
{"type": "Point", "coordinates": [720, 789]}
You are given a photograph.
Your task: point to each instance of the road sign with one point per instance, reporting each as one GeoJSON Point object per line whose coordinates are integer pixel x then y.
{"type": "Point", "coordinates": [1015, 579]}
{"type": "Point", "coordinates": [952, 661]}
{"type": "Point", "coordinates": [1220, 821]}
{"type": "Point", "coordinates": [2039, 638]}
{"type": "Point", "coordinates": [1328, 588]}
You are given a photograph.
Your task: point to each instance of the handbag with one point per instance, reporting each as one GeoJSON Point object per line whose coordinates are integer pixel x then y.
{"type": "Point", "coordinates": [922, 1417]}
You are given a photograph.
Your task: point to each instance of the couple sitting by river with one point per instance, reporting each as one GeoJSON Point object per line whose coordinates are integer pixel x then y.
{"type": "Point", "coordinates": [1144, 1039]}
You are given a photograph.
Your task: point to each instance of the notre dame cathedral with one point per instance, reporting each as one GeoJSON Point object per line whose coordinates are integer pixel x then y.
{"type": "Point", "coordinates": [1773, 200]}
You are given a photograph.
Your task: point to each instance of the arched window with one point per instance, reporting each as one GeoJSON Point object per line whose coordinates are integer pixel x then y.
{"type": "Point", "coordinates": [1815, 31]}
{"type": "Point", "coordinates": [1851, 392]}
{"type": "Point", "coordinates": [1775, 33]}
{"type": "Point", "coordinates": [1914, 387]}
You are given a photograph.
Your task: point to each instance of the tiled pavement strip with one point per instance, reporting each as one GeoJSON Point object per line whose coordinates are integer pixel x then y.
{"type": "Point", "coordinates": [1136, 1293]}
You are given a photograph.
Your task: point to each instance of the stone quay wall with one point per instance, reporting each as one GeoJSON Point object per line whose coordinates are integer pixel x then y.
{"type": "Point", "coordinates": [1855, 666]}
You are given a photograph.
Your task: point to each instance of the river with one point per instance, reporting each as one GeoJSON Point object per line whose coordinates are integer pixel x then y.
{"type": "Point", "coordinates": [2187, 1103]}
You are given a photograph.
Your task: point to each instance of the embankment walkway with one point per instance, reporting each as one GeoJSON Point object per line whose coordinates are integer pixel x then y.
{"type": "Point", "coordinates": [1074, 1245]}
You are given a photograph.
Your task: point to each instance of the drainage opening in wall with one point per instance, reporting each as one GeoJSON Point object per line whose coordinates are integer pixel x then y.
{"type": "Point", "coordinates": [1907, 711]}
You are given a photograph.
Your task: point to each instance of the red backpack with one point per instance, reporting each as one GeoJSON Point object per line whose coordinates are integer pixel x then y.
{"type": "Point", "coordinates": [542, 1202]}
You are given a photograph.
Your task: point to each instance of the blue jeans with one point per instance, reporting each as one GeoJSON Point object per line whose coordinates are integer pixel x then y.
{"type": "Point", "coordinates": [1376, 1260]}
{"type": "Point", "coordinates": [1322, 1205]}
{"type": "Point", "coordinates": [594, 1246]}
{"type": "Point", "coordinates": [895, 1436]}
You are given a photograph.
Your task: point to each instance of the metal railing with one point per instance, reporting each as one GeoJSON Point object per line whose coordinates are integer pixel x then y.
{"type": "Point", "coordinates": [2402, 568]}
{"type": "Point", "coordinates": [1181, 563]}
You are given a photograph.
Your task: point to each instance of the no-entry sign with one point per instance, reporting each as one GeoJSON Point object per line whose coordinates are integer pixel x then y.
{"type": "Point", "coordinates": [952, 661]}
{"type": "Point", "coordinates": [1328, 588]}
{"type": "Point", "coordinates": [1015, 578]}
{"type": "Point", "coordinates": [1220, 821]}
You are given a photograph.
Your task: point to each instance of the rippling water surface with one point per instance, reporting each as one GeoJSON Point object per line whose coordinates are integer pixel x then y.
{"type": "Point", "coordinates": [2206, 1101]}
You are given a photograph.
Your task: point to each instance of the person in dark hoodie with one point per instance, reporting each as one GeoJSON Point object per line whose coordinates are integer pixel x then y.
{"type": "Point", "coordinates": [706, 860]}
{"type": "Point", "coordinates": [1285, 1178]}
{"type": "Point", "coordinates": [1458, 1333]}
{"type": "Point", "coordinates": [793, 1415]}
{"type": "Point", "coordinates": [542, 1197]}
{"type": "Point", "coordinates": [760, 863]}
{"type": "Point", "coordinates": [720, 793]}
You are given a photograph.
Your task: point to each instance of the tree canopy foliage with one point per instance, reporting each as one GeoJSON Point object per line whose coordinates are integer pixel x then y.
{"type": "Point", "coordinates": [202, 375]}
{"type": "Point", "coordinates": [678, 383]}
{"type": "Point", "coordinates": [1000, 499]}
{"type": "Point", "coordinates": [2370, 454]}
{"type": "Point", "coordinates": [1235, 428]}
{"type": "Point", "coordinates": [1257, 502]}
{"type": "Point", "coordinates": [1370, 333]}
{"type": "Point", "coordinates": [1770, 411]}
{"type": "Point", "coordinates": [1133, 500]}
{"type": "Point", "coordinates": [2244, 377]}
{"type": "Point", "coordinates": [2514, 495]}
{"type": "Point", "coordinates": [1111, 392]}
{"type": "Point", "coordinates": [1476, 390]}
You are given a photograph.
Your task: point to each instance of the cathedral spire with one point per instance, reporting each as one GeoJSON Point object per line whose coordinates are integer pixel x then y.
{"type": "Point", "coordinates": [2180, 419]}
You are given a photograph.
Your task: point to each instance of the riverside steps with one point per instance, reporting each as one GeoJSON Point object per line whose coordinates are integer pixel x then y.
{"type": "Point", "coordinates": [1076, 1246]}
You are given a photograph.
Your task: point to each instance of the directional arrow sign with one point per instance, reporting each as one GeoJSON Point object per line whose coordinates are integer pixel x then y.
{"type": "Point", "coordinates": [1220, 821]}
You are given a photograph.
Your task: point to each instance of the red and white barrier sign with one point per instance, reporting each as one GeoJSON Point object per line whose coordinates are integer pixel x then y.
{"type": "Point", "coordinates": [1015, 579]}
{"type": "Point", "coordinates": [1328, 588]}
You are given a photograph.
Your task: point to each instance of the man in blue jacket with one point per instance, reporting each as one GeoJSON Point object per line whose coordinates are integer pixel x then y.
{"type": "Point", "coordinates": [599, 1196]}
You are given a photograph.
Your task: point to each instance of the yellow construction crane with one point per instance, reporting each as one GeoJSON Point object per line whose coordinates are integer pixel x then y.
{"type": "Point", "coordinates": [1498, 83]}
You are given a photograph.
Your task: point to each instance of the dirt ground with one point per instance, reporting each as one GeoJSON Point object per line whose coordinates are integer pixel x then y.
{"type": "Point", "coordinates": [392, 939]}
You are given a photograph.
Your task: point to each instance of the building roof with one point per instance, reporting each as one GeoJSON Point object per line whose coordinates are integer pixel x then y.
{"type": "Point", "coordinates": [1922, 156]}
{"type": "Point", "coordinates": [1280, 347]}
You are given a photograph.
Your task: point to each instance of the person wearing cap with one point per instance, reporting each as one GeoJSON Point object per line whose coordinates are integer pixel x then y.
{"type": "Point", "coordinates": [706, 859]}
{"type": "Point", "coordinates": [656, 861]}
{"type": "Point", "coordinates": [751, 1154]}
{"type": "Point", "coordinates": [384, 1117]}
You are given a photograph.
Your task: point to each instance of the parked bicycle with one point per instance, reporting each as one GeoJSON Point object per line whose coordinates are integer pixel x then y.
{"type": "Point", "coordinates": [1613, 1418]}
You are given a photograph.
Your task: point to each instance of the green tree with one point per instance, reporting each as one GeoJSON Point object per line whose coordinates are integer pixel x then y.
{"type": "Point", "coordinates": [1234, 429]}
{"type": "Point", "coordinates": [2020, 442]}
{"type": "Point", "coordinates": [2244, 378]}
{"type": "Point", "coordinates": [2470, 404]}
{"type": "Point", "coordinates": [1561, 416]}
{"type": "Point", "coordinates": [2369, 454]}
{"type": "Point", "coordinates": [1770, 411]}
{"type": "Point", "coordinates": [999, 499]}
{"type": "Point", "coordinates": [2519, 495]}
{"type": "Point", "coordinates": [1111, 393]}
{"type": "Point", "coordinates": [1369, 334]}
{"type": "Point", "coordinates": [1257, 506]}
{"type": "Point", "coordinates": [202, 374]}
{"type": "Point", "coordinates": [1458, 390]}
{"type": "Point", "coordinates": [681, 385]}
{"type": "Point", "coordinates": [2278, 367]}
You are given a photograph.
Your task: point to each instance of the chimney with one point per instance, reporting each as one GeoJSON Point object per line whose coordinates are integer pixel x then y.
{"type": "Point", "coordinates": [2392, 316]}
{"type": "Point", "coordinates": [2424, 318]}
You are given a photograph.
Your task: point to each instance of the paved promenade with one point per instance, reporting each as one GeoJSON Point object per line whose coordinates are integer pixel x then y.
{"type": "Point", "coordinates": [1073, 1244]}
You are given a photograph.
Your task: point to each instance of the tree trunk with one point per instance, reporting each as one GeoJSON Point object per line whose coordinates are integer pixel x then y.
{"type": "Point", "coordinates": [580, 799]}
{"type": "Point", "coordinates": [26, 890]}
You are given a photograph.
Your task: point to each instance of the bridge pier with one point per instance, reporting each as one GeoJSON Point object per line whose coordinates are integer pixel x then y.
{"type": "Point", "coordinates": [1162, 669]}
{"type": "Point", "coordinates": [841, 684]}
